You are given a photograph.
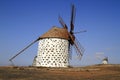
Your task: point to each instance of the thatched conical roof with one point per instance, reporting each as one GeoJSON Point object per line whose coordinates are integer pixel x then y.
{"type": "Point", "coordinates": [56, 32]}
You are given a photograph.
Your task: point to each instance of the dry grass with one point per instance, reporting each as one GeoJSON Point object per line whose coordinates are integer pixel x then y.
{"type": "Point", "coordinates": [96, 72]}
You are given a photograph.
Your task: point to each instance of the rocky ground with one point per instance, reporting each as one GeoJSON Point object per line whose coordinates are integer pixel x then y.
{"type": "Point", "coordinates": [95, 72]}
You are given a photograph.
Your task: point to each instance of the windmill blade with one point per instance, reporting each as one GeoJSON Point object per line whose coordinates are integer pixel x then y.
{"type": "Point", "coordinates": [100, 55]}
{"type": "Point", "coordinates": [79, 49]}
{"type": "Point", "coordinates": [80, 32]}
{"type": "Point", "coordinates": [62, 22]}
{"type": "Point", "coordinates": [23, 49]}
{"type": "Point", "coordinates": [72, 19]}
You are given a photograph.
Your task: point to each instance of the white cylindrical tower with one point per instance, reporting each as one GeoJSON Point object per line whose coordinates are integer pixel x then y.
{"type": "Point", "coordinates": [52, 52]}
{"type": "Point", "coordinates": [53, 49]}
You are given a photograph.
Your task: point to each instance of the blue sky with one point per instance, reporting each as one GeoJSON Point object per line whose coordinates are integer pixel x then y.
{"type": "Point", "coordinates": [22, 21]}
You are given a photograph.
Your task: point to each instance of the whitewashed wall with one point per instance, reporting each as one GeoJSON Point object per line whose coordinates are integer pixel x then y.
{"type": "Point", "coordinates": [104, 62]}
{"type": "Point", "coordinates": [52, 52]}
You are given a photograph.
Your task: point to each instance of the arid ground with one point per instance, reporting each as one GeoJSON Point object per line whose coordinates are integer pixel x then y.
{"type": "Point", "coordinates": [95, 72]}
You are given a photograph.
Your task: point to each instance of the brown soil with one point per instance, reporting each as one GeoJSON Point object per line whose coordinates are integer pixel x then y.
{"type": "Point", "coordinates": [96, 72]}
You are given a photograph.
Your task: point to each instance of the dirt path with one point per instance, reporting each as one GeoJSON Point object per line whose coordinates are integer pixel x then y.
{"type": "Point", "coordinates": [97, 72]}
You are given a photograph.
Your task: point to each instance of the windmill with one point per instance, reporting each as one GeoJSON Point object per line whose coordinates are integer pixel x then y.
{"type": "Point", "coordinates": [55, 46]}
{"type": "Point", "coordinates": [105, 60]}
{"type": "Point", "coordinates": [100, 56]}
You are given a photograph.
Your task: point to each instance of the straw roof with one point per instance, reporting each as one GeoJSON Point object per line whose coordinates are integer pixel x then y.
{"type": "Point", "coordinates": [56, 32]}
